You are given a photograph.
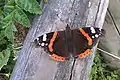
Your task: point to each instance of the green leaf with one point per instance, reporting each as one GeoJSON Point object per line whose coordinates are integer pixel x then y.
{"type": "Point", "coordinates": [4, 57]}
{"type": "Point", "coordinates": [11, 2]}
{"type": "Point", "coordinates": [31, 6]}
{"type": "Point", "coordinates": [1, 15]}
{"type": "Point", "coordinates": [109, 78]}
{"type": "Point", "coordinates": [6, 21]}
{"type": "Point", "coordinates": [2, 3]}
{"type": "Point", "coordinates": [2, 40]}
{"type": "Point", "coordinates": [2, 34]}
{"type": "Point", "coordinates": [9, 31]}
{"type": "Point", "coordinates": [9, 7]}
{"type": "Point", "coordinates": [21, 17]}
{"type": "Point", "coordinates": [14, 28]}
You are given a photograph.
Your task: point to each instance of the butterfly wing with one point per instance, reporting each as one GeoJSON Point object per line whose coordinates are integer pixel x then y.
{"type": "Point", "coordinates": [84, 39]}
{"type": "Point", "coordinates": [55, 44]}
{"type": "Point", "coordinates": [80, 43]}
{"type": "Point", "coordinates": [94, 33]}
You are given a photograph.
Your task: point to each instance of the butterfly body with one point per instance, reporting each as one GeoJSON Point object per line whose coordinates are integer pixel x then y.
{"type": "Point", "coordinates": [76, 42]}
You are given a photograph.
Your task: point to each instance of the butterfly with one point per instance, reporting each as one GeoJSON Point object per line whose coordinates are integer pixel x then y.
{"type": "Point", "coordinates": [61, 45]}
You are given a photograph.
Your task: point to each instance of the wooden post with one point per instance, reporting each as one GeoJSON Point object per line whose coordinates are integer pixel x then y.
{"type": "Point", "coordinates": [35, 64]}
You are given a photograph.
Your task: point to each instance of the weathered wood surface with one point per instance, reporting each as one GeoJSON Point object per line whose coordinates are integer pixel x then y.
{"type": "Point", "coordinates": [111, 41]}
{"type": "Point", "coordinates": [35, 64]}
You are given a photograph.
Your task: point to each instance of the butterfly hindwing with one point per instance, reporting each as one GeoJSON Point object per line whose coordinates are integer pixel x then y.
{"type": "Point", "coordinates": [54, 43]}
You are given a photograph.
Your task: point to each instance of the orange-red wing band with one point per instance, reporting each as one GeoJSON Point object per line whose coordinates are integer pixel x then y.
{"type": "Point", "coordinates": [87, 36]}
{"type": "Point", "coordinates": [50, 46]}
{"type": "Point", "coordinates": [86, 53]}
{"type": "Point", "coordinates": [57, 58]}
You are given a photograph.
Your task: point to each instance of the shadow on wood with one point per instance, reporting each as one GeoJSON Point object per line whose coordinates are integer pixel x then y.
{"type": "Point", "coordinates": [35, 64]}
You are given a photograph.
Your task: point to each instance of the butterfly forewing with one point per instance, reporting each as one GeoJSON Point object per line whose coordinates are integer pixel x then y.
{"type": "Point", "coordinates": [54, 43]}
{"type": "Point", "coordinates": [43, 40]}
{"type": "Point", "coordinates": [84, 39]}
{"type": "Point", "coordinates": [94, 33]}
{"type": "Point", "coordinates": [80, 43]}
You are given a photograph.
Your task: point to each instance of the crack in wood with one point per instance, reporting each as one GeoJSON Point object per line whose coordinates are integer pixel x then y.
{"type": "Point", "coordinates": [72, 69]}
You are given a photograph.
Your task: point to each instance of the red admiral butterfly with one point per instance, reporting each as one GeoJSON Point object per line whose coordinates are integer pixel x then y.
{"type": "Point", "coordinates": [78, 42]}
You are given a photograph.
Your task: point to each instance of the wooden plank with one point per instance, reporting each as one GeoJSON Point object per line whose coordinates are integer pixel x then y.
{"type": "Point", "coordinates": [82, 67]}
{"type": "Point", "coordinates": [111, 41]}
{"type": "Point", "coordinates": [35, 64]}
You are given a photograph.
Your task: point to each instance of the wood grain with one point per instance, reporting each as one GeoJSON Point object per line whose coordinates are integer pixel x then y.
{"type": "Point", "coordinates": [35, 64]}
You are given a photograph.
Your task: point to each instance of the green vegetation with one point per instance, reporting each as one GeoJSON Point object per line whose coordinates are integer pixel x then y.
{"type": "Point", "coordinates": [12, 13]}
{"type": "Point", "coordinates": [100, 70]}
{"type": "Point", "coordinates": [16, 12]}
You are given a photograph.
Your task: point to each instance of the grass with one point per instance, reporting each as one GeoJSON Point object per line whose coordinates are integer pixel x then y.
{"type": "Point", "coordinates": [101, 71]}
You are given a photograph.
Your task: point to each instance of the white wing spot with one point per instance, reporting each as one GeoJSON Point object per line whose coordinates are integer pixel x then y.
{"type": "Point", "coordinates": [42, 44]}
{"type": "Point", "coordinates": [92, 29]}
{"type": "Point", "coordinates": [46, 44]}
{"type": "Point", "coordinates": [50, 55]}
{"type": "Point", "coordinates": [39, 43]}
{"type": "Point", "coordinates": [93, 37]}
{"type": "Point", "coordinates": [100, 29]}
{"type": "Point", "coordinates": [44, 37]}
{"type": "Point", "coordinates": [96, 35]}
{"type": "Point", "coordinates": [37, 39]}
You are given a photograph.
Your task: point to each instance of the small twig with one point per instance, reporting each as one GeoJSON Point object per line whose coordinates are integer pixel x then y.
{"type": "Point", "coordinates": [17, 48]}
{"type": "Point", "coordinates": [110, 54]}
{"type": "Point", "coordinates": [2, 74]}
